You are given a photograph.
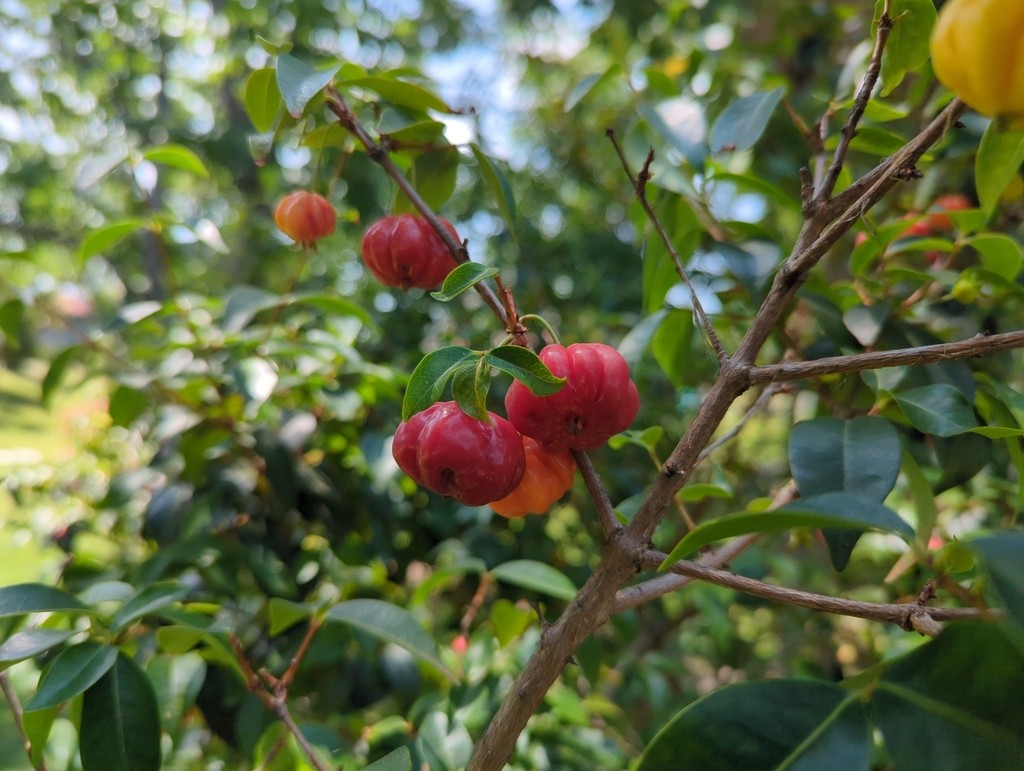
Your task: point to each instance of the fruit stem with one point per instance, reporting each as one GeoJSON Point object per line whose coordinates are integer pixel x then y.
{"type": "Point", "coordinates": [543, 323]}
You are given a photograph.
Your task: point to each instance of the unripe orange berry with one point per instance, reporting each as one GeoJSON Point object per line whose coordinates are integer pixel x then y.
{"type": "Point", "coordinates": [548, 476]}
{"type": "Point", "coordinates": [305, 217]}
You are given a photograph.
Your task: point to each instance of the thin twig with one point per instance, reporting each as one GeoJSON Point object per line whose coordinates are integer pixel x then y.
{"type": "Point", "coordinates": [18, 713]}
{"type": "Point", "coordinates": [605, 510]}
{"type": "Point", "coordinates": [640, 188]}
{"type": "Point", "coordinates": [336, 103]}
{"type": "Point", "coordinates": [759, 404]}
{"type": "Point", "coordinates": [902, 614]}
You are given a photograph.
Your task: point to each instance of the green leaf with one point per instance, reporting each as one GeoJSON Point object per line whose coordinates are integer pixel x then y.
{"type": "Point", "coordinates": [392, 624]}
{"type": "Point", "coordinates": [19, 599]}
{"type": "Point", "coordinates": [145, 602]}
{"type": "Point", "coordinates": [938, 409]}
{"type": "Point", "coordinates": [101, 239]}
{"type": "Point", "coordinates": [464, 277]}
{"type": "Point", "coordinates": [509, 621]}
{"type": "Point", "coordinates": [299, 83]}
{"type": "Point", "coordinates": [741, 124]}
{"type": "Point", "coordinates": [765, 726]}
{"type": "Point", "coordinates": [427, 381]}
{"type": "Point", "coordinates": [339, 306]}
{"type": "Point", "coordinates": [536, 576]}
{"type": "Point", "coordinates": [1000, 155]}
{"type": "Point", "coordinates": [701, 491]}
{"type": "Point", "coordinates": [526, 367]}
{"type": "Point", "coordinates": [498, 185]}
{"type": "Point", "coordinates": [681, 123]}
{"type": "Point", "coordinates": [12, 313]}
{"type": "Point", "coordinates": [470, 384]}
{"type": "Point", "coordinates": [401, 92]}
{"type": "Point", "coordinates": [120, 725]}
{"type": "Point", "coordinates": [424, 132]}
{"type": "Point", "coordinates": [74, 670]}
{"type": "Point", "coordinates": [955, 702]}
{"type": "Point", "coordinates": [433, 176]}
{"type": "Point", "coordinates": [55, 374]}
{"type": "Point", "coordinates": [589, 84]}
{"type": "Point", "coordinates": [907, 47]}
{"type": "Point", "coordinates": [826, 510]}
{"type": "Point", "coordinates": [37, 726]}
{"type": "Point", "coordinates": [672, 345]}
{"type": "Point", "coordinates": [263, 99]}
{"type": "Point", "coordinates": [1003, 555]}
{"type": "Point", "coordinates": [177, 681]}
{"type": "Point", "coordinates": [922, 496]}
{"type": "Point", "coordinates": [178, 157]}
{"type": "Point", "coordinates": [284, 614]}
{"type": "Point", "coordinates": [256, 378]}
{"type": "Point", "coordinates": [30, 642]}
{"type": "Point", "coordinates": [861, 455]}
{"type": "Point", "coordinates": [999, 254]}
{"type": "Point", "coordinates": [243, 303]}
{"type": "Point", "coordinates": [396, 760]}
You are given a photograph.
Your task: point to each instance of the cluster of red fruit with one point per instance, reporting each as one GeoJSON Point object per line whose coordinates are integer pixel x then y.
{"type": "Point", "coordinates": [523, 464]}
{"type": "Point", "coordinates": [402, 251]}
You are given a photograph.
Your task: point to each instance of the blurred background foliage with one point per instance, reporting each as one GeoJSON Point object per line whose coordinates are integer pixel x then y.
{"type": "Point", "coordinates": [186, 395]}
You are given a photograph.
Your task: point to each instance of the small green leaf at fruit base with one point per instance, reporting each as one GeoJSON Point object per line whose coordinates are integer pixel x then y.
{"type": "Point", "coordinates": [427, 381]}
{"type": "Point", "coordinates": [937, 409]}
{"type": "Point", "coordinates": [1000, 155]}
{"type": "Point", "coordinates": [526, 367]}
{"type": "Point", "coordinates": [741, 124]}
{"type": "Point", "coordinates": [536, 576]}
{"type": "Point", "coordinates": [464, 277]}
{"type": "Point", "coordinates": [299, 82]}
{"type": "Point", "coordinates": [470, 384]}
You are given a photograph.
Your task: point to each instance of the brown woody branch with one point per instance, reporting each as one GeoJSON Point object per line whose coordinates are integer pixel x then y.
{"type": "Point", "coordinates": [18, 714]}
{"type": "Point", "coordinates": [901, 614]}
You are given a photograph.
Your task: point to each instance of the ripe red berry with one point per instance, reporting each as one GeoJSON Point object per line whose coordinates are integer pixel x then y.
{"type": "Point", "coordinates": [405, 251]}
{"type": "Point", "coordinates": [940, 221]}
{"type": "Point", "coordinates": [598, 400]}
{"type": "Point", "coordinates": [445, 450]}
{"type": "Point", "coordinates": [305, 217]}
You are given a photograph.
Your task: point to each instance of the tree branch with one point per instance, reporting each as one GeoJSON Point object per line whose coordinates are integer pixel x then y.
{"type": "Point", "coordinates": [17, 713]}
{"type": "Point", "coordinates": [603, 504]}
{"type": "Point", "coordinates": [858, 362]}
{"type": "Point", "coordinates": [901, 614]}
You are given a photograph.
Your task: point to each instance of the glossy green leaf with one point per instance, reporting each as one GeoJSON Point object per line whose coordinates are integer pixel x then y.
{"type": "Point", "coordinates": [427, 381]}
{"type": "Point", "coordinates": [74, 670]}
{"type": "Point", "coordinates": [243, 303]}
{"type": "Point", "coordinates": [392, 624]}
{"type": "Point", "coordinates": [263, 99]}
{"type": "Point", "coordinates": [30, 642]}
{"type": "Point", "coordinates": [826, 510]}
{"type": "Point", "coordinates": [772, 725]}
{"type": "Point", "coordinates": [1000, 155]}
{"type": "Point", "coordinates": [299, 83]}
{"type": "Point", "coordinates": [120, 724]}
{"type": "Point", "coordinates": [177, 681]}
{"type": "Point", "coordinates": [526, 367]}
{"type": "Point", "coordinates": [1003, 556]}
{"type": "Point", "coordinates": [433, 177]}
{"type": "Point", "coordinates": [284, 614]}
{"type": "Point", "coordinates": [101, 239]}
{"type": "Point", "coordinates": [1000, 254]}
{"type": "Point", "coordinates": [470, 385]}
{"type": "Point", "coordinates": [937, 409]}
{"type": "Point", "coordinates": [907, 47]}
{"type": "Point", "coordinates": [498, 185]}
{"type": "Point", "coordinates": [536, 576]}
{"type": "Point", "coordinates": [401, 92]}
{"type": "Point", "coordinates": [150, 599]}
{"type": "Point", "coordinates": [396, 760]}
{"type": "Point", "coordinates": [415, 135]}
{"type": "Point", "coordinates": [741, 124]}
{"type": "Point", "coordinates": [19, 599]}
{"type": "Point", "coordinates": [955, 702]}
{"type": "Point", "coordinates": [588, 85]}
{"type": "Point", "coordinates": [861, 455]}
{"type": "Point", "coordinates": [648, 438]}
{"type": "Point", "coordinates": [464, 277]}
{"type": "Point", "coordinates": [702, 491]}
{"type": "Point", "coordinates": [178, 157]}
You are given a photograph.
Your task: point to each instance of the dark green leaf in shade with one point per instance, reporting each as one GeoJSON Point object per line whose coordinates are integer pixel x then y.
{"type": "Point", "coordinates": [178, 157]}
{"type": "Point", "coordinates": [146, 601]}
{"type": "Point", "coordinates": [922, 495]}
{"type": "Point", "coordinates": [741, 124]}
{"type": "Point", "coordinates": [120, 725]}
{"type": "Point", "coordinates": [263, 99]}
{"type": "Point", "coordinates": [392, 624]}
{"type": "Point", "coordinates": [1003, 556]}
{"type": "Point", "coordinates": [907, 47]}
{"type": "Point", "coordinates": [30, 642]}
{"type": "Point", "coordinates": [298, 82]}
{"type": "Point", "coordinates": [470, 385]}
{"type": "Point", "coordinates": [427, 381]}
{"type": "Point", "coordinates": [526, 367]}
{"type": "Point", "coordinates": [536, 576]}
{"type": "Point", "coordinates": [960, 457]}
{"type": "Point", "coordinates": [101, 239]}
{"type": "Point", "coordinates": [937, 409]}
{"type": "Point", "coordinates": [826, 510]}
{"type": "Point", "coordinates": [954, 703]}
{"type": "Point", "coordinates": [433, 177]}
{"type": "Point", "coordinates": [396, 760]}
{"type": "Point", "coordinates": [464, 277]}
{"type": "Point", "coordinates": [400, 92]}
{"type": "Point", "coordinates": [797, 725]}
{"type": "Point", "coordinates": [1000, 155]}
{"type": "Point", "coordinates": [498, 185]}
{"type": "Point", "coordinates": [74, 670]}
{"type": "Point", "coordinates": [19, 599]}
{"type": "Point", "coordinates": [865, 322]}
{"type": "Point", "coordinates": [861, 455]}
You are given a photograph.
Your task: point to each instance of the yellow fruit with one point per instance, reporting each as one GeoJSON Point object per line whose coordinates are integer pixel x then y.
{"type": "Point", "coordinates": [978, 51]}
